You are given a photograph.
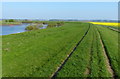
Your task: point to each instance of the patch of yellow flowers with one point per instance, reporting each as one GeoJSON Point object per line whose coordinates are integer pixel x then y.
{"type": "Point", "coordinates": [106, 24]}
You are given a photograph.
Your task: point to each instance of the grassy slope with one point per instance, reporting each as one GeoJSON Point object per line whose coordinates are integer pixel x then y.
{"type": "Point", "coordinates": [110, 39]}
{"type": "Point", "coordinates": [38, 53]}
{"type": "Point", "coordinates": [87, 60]}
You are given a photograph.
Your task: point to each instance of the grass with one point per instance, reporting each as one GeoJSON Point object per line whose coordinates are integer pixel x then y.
{"type": "Point", "coordinates": [87, 60]}
{"type": "Point", "coordinates": [110, 39]}
{"type": "Point", "coordinates": [31, 53]}
{"type": "Point", "coordinates": [40, 52]}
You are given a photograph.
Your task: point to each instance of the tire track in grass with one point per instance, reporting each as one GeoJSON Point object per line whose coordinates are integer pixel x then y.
{"type": "Point", "coordinates": [91, 59]}
{"type": "Point", "coordinates": [68, 56]}
{"type": "Point", "coordinates": [116, 30]}
{"type": "Point", "coordinates": [105, 53]}
{"type": "Point", "coordinates": [98, 52]}
{"type": "Point", "coordinates": [88, 69]}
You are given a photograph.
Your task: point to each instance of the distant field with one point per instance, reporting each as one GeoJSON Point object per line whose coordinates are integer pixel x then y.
{"type": "Point", "coordinates": [9, 23]}
{"type": "Point", "coordinates": [106, 23]}
{"type": "Point", "coordinates": [75, 49]}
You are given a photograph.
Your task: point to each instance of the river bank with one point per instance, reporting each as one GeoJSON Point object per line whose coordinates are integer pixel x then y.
{"type": "Point", "coordinates": [2, 23]}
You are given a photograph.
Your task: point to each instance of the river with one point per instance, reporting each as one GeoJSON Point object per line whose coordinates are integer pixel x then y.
{"type": "Point", "coordinates": [11, 29]}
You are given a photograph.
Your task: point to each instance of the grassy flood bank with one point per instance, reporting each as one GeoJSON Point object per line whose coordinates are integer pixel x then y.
{"type": "Point", "coordinates": [40, 53]}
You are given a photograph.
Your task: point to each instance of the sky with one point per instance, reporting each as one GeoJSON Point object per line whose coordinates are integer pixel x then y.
{"type": "Point", "coordinates": [60, 10]}
{"type": "Point", "coordinates": [60, 0]}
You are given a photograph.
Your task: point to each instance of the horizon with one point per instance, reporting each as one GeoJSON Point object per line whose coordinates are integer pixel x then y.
{"type": "Point", "coordinates": [60, 19]}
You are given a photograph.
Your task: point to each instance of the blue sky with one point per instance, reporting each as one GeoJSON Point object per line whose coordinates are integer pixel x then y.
{"type": "Point", "coordinates": [60, 10]}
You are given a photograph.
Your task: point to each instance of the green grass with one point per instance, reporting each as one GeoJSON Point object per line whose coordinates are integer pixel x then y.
{"type": "Point", "coordinates": [88, 56]}
{"type": "Point", "coordinates": [111, 27]}
{"type": "Point", "coordinates": [38, 53]}
{"type": "Point", "coordinates": [110, 39]}
{"type": "Point", "coordinates": [0, 57]}
{"type": "Point", "coordinates": [98, 65]}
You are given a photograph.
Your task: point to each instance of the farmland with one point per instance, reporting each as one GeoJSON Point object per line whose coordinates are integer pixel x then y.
{"type": "Point", "coordinates": [107, 24]}
{"type": "Point", "coordinates": [75, 49]}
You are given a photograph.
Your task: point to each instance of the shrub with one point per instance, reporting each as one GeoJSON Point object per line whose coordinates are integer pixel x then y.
{"type": "Point", "coordinates": [45, 23]}
{"type": "Point", "coordinates": [60, 23]}
{"type": "Point", "coordinates": [28, 28]}
{"type": "Point", "coordinates": [11, 20]}
{"type": "Point", "coordinates": [51, 25]}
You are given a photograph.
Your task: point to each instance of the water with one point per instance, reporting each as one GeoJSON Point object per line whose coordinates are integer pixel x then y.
{"type": "Point", "coordinates": [11, 29]}
{"type": "Point", "coordinates": [44, 26]}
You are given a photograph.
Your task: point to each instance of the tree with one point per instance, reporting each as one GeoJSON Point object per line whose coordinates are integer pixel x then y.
{"type": "Point", "coordinates": [11, 20]}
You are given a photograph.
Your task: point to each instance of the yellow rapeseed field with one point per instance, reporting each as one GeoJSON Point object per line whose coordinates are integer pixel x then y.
{"type": "Point", "coordinates": [107, 23]}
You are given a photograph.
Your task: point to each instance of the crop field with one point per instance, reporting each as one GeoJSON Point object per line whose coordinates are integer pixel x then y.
{"type": "Point", "coordinates": [107, 24]}
{"type": "Point", "coordinates": [75, 49]}
{"type": "Point", "coordinates": [112, 26]}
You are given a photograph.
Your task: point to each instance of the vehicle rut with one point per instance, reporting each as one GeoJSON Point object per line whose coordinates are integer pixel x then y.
{"type": "Point", "coordinates": [116, 30]}
{"type": "Point", "coordinates": [88, 69]}
{"type": "Point", "coordinates": [68, 56]}
{"type": "Point", "coordinates": [107, 58]}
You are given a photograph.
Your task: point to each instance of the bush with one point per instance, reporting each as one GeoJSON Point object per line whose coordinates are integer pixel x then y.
{"type": "Point", "coordinates": [11, 20]}
{"type": "Point", "coordinates": [51, 25]}
{"type": "Point", "coordinates": [60, 23]}
{"type": "Point", "coordinates": [28, 28]}
{"type": "Point", "coordinates": [45, 23]}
